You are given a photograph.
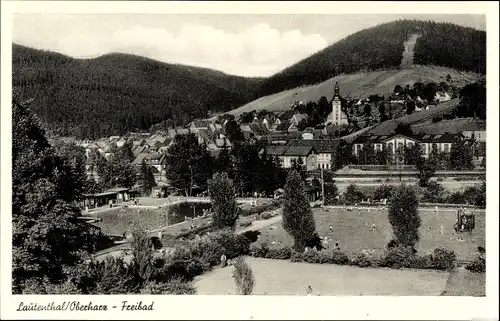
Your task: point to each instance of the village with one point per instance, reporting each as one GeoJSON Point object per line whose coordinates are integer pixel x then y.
{"type": "Point", "coordinates": [364, 161]}
{"type": "Point", "coordinates": [278, 135]}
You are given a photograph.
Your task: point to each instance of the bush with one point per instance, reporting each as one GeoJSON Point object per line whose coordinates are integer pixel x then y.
{"type": "Point", "coordinates": [366, 260]}
{"type": "Point", "coordinates": [233, 245]}
{"type": "Point", "coordinates": [423, 262]}
{"type": "Point", "coordinates": [478, 265]}
{"type": "Point", "coordinates": [398, 257]}
{"type": "Point", "coordinates": [315, 242]}
{"type": "Point", "coordinates": [456, 198]}
{"type": "Point", "coordinates": [243, 277]}
{"type": "Point", "coordinates": [266, 215]}
{"type": "Point", "coordinates": [361, 260]}
{"type": "Point", "coordinates": [252, 236]}
{"type": "Point", "coordinates": [443, 259]}
{"type": "Point", "coordinates": [383, 192]}
{"type": "Point", "coordinates": [353, 194]}
{"type": "Point", "coordinates": [207, 252]}
{"type": "Point", "coordinates": [175, 286]}
{"type": "Point", "coordinates": [245, 223]}
{"type": "Point", "coordinates": [338, 257]}
{"type": "Point", "coordinates": [259, 250]}
{"type": "Point", "coordinates": [314, 256]}
{"type": "Point", "coordinates": [440, 179]}
{"type": "Point", "coordinates": [281, 253]}
{"type": "Point", "coordinates": [67, 287]}
{"type": "Point", "coordinates": [434, 193]}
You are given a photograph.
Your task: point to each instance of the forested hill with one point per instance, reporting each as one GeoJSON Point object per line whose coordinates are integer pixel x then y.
{"type": "Point", "coordinates": [381, 47]}
{"type": "Point", "coordinates": [117, 93]}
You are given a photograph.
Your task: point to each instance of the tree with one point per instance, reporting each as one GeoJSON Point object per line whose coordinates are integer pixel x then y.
{"type": "Point", "coordinates": [434, 193]}
{"type": "Point", "coordinates": [47, 236]}
{"type": "Point", "coordinates": [147, 178]}
{"type": "Point", "coordinates": [343, 155]}
{"type": "Point", "coordinates": [125, 152]}
{"type": "Point", "coordinates": [243, 277]}
{"type": "Point", "coordinates": [246, 167]}
{"type": "Point", "coordinates": [74, 158]}
{"type": "Point", "coordinates": [383, 192]}
{"type": "Point", "coordinates": [410, 107]}
{"type": "Point", "coordinates": [382, 156]}
{"type": "Point", "coordinates": [353, 194]}
{"type": "Point", "coordinates": [234, 133]}
{"type": "Point", "coordinates": [298, 219]}
{"type": "Point", "coordinates": [331, 193]}
{"type": "Point", "coordinates": [426, 169]}
{"type": "Point", "coordinates": [367, 110]}
{"type": "Point", "coordinates": [224, 163]}
{"type": "Point", "coordinates": [142, 251]}
{"type": "Point", "coordinates": [381, 111]}
{"type": "Point", "coordinates": [224, 206]}
{"type": "Point", "coordinates": [404, 217]}
{"type": "Point", "coordinates": [187, 163]}
{"type": "Point", "coordinates": [315, 182]}
{"type": "Point", "coordinates": [123, 173]}
{"type": "Point", "coordinates": [298, 166]}
{"type": "Point", "coordinates": [367, 155]}
{"type": "Point", "coordinates": [412, 154]}
{"type": "Point", "coordinates": [472, 100]}
{"type": "Point", "coordinates": [461, 154]}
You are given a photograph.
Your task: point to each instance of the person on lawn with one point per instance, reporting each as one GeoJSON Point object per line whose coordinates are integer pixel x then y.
{"type": "Point", "coordinates": [223, 260]}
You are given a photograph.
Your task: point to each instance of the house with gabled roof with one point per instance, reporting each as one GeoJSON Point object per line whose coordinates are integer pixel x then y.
{"type": "Point", "coordinates": [395, 142]}
{"type": "Point", "coordinates": [157, 161]}
{"type": "Point", "coordinates": [140, 150]}
{"type": "Point", "coordinates": [442, 96]}
{"type": "Point", "coordinates": [305, 153]}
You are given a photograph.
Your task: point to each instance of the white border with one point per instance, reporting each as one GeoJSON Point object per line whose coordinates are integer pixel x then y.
{"type": "Point", "coordinates": [262, 307]}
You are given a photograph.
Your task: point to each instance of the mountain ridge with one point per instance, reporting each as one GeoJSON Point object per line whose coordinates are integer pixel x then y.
{"type": "Point", "coordinates": [116, 93]}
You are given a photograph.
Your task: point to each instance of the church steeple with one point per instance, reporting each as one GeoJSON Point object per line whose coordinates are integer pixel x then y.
{"type": "Point", "coordinates": [336, 90]}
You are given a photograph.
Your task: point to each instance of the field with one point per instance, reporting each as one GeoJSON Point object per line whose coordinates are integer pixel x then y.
{"type": "Point", "coordinates": [276, 277]}
{"type": "Point", "coordinates": [353, 231]}
{"type": "Point", "coordinates": [358, 85]}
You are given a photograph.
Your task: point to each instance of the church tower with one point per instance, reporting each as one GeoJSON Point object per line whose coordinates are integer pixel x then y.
{"type": "Point", "coordinates": [338, 116]}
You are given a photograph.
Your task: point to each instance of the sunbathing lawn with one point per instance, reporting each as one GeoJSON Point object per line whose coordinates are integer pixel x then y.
{"type": "Point", "coordinates": [353, 231]}
{"type": "Point", "coordinates": [276, 277]}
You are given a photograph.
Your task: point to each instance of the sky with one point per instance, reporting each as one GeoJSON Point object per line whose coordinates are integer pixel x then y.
{"type": "Point", "coordinates": [245, 45]}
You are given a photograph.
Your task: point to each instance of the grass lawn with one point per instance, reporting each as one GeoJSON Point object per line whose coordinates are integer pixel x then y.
{"type": "Point", "coordinates": [465, 283]}
{"type": "Point", "coordinates": [276, 277]}
{"type": "Point", "coordinates": [354, 233]}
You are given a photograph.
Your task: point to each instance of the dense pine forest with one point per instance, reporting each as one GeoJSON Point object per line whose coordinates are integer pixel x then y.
{"type": "Point", "coordinates": [381, 47]}
{"type": "Point", "coordinates": [117, 93]}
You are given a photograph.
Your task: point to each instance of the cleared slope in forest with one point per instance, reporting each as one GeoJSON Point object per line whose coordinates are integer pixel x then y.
{"type": "Point", "coordinates": [359, 85]}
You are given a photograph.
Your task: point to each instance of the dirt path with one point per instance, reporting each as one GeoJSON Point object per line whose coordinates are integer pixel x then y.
{"type": "Point", "coordinates": [408, 52]}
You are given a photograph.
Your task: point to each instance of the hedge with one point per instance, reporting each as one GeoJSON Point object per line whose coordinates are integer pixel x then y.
{"type": "Point", "coordinates": [395, 257]}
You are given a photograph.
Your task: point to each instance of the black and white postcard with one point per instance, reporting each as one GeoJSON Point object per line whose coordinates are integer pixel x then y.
{"type": "Point", "coordinates": [239, 160]}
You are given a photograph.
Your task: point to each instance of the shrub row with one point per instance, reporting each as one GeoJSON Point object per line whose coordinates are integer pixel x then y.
{"type": "Point", "coordinates": [434, 193]}
{"type": "Point", "coordinates": [396, 257]}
